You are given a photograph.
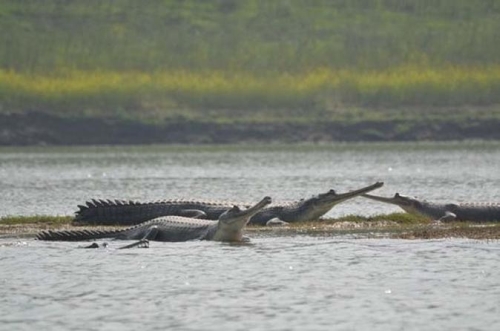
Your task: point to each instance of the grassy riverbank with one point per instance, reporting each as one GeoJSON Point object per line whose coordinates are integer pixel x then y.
{"type": "Point", "coordinates": [397, 226]}
{"type": "Point", "coordinates": [219, 96]}
{"type": "Point", "coordinates": [251, 62]}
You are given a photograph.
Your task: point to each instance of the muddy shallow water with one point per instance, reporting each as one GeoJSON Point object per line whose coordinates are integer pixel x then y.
{"type": "Point", "coordinates": [289, 282]}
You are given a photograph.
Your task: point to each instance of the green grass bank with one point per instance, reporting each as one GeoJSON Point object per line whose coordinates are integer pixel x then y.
{"type": "Point", "coordinates": [396, 226]}
{"type": "Point", "coordinates": [390, 67]}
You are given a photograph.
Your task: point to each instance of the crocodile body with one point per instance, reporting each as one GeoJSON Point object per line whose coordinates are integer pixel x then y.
{"type": "Point", "coordinates": [474, 212]}
{"type": "Point", "coordinates": [120, 212]}
{"type": "Point", "coordinates": [229, 227]}
{"type": "Point", "coordinates": [308, 209]}
{"type": "Point", "coordinates": [106, 212]}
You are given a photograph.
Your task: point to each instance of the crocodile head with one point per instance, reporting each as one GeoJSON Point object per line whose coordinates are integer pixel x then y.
{"type": "Point", "coordinates": [315, 207]}
{"type": "Point", "coordinates": [233, 221]}
{"type": "Point", "coordinates": [408, 204]}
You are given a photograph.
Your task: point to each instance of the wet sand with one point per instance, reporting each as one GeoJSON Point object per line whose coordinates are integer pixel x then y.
{"type": "Point", "coordinates": [355, 229]}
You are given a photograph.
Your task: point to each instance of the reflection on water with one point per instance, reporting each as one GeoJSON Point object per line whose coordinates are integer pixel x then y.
{"type": "Point", "coordinates": [54, 180]}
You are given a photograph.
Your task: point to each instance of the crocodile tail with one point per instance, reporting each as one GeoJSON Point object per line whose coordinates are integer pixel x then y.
{"type": "Point", "coordinates": [74, 235]}
{"type": "Point", "coordinates": [98, 211]}
{"type": "Point", "coordinates": [90, 209]}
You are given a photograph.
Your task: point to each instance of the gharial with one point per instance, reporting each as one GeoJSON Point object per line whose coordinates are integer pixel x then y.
{"type": "Point", "coordinates": [118, 212]}
{"type": "Point", "coordinates": [474, 212]}
{"type": "Point", "coordinates": [228, 228]}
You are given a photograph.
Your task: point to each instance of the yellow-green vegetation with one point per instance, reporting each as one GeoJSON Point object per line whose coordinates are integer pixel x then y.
{"type": "Point", "coordinates": [41, 219]}
{"type": "Point", "coordinates": [250, 60]}
{"type": "Point", "coordinates": [322, 91]}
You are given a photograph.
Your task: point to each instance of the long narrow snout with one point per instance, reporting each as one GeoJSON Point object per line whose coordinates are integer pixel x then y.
{"type": "Point", "coordinates": [248, 213]}
{"type": "Point", "coordinates": [393, 200]}
{"type": "Point", "coordinates": [349, 195]}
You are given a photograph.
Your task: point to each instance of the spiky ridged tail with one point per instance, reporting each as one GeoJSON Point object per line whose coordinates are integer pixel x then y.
{"type": "Point", "coordinates": [75, 235]}
{"type": "Point", "coordinates": [108, 212]}
{"type": "Point", "coordinates": [120, 212]}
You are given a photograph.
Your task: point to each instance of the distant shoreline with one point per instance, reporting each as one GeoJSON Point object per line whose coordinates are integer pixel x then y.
{"type": "Point", "coordinates": [36, 128]}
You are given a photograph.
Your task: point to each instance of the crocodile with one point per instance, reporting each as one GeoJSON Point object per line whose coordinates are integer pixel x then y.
{"type": "Point", "coordinates": [228, 228]}
{"type": "Point", "coordinates": [474, 212]}
{"type": "Point", "coordinates": [121, 212]}
{"type": "Point", "coordinates": [307, 209]}
{"type": "Point", "coordinates": [107, 212]}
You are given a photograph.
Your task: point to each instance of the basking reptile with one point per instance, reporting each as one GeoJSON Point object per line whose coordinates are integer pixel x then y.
{"type": "Point", "coordinates": [229, 227]}
{"type": "Point", "coordinates": [120, 212]}
{"type": "Point", "coordinates": [107, 212]}
{"type": "Point", "coordinates": [475, 212]}
{"type": "Point", "coordinates": [307, 209]}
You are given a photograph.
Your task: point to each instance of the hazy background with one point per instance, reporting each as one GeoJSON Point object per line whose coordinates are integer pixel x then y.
{"type": "Point", "coordinates": [252, 61]}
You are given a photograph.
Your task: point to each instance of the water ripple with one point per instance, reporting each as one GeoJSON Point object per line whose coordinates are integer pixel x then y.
{"type": "Point", "coordinates": [273, 284]}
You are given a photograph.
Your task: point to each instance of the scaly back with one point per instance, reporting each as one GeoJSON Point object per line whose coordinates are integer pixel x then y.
{"type": "Point", "coordinates": [121, 212]}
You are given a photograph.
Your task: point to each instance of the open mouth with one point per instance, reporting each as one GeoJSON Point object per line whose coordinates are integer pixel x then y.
{"type": "Point", "coordinates": [395, 200]}
{"type": "Point", "coordinates": [244, 215]}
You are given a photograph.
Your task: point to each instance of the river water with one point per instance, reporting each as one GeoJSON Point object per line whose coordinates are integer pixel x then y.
{"type": "Point", "coordinates": [273, 283]}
